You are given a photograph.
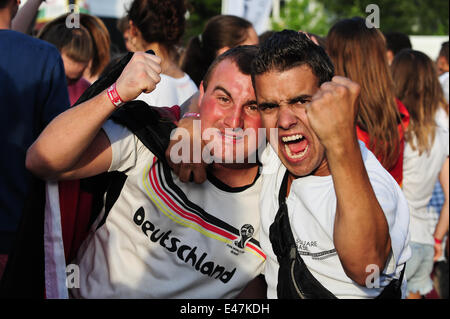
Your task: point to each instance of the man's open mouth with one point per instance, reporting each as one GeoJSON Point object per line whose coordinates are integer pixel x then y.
{"type": "Point", "coordinates": [295, 145]}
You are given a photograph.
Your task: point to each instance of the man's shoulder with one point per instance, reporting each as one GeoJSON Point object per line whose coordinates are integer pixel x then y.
{"type": "Point", "coordinates": [27, 45]}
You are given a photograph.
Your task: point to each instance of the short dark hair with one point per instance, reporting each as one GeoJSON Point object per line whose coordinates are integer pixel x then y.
{"type": "Point", "coordinates": [444, 50]}
{"type": "Point", "coordinates": [397, 41]}
{"type": "Point", "coordinates": [287, 49]}
{"type": "Point", "coordinates": [242, 55]}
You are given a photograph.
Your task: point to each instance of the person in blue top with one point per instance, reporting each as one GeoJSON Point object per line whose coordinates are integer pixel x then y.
{"type": "Point", "coordinates": [33, 91]}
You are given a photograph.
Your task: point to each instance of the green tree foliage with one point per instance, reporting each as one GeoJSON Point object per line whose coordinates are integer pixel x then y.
{"type": "Point", "coordinates": [421, 17]}
{"type": "Point", "coordinates": [199, 12]}
{"type": "Point", "coordinates": [303, 15]}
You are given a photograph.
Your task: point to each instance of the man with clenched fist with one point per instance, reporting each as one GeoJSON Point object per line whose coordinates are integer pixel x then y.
{"type": "Point", "coordinates": [334, 222]}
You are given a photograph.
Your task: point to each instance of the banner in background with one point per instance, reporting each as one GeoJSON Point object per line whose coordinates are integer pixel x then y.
{"type": "Point", "coordinates": [255, 11]}
{"type": "Point", "coordinates": [108, 8]}
{"type": "Point", "coordinates": [51, 9]}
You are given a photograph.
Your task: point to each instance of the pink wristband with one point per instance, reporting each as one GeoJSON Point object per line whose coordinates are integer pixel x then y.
{"type": "Point", "coordinates": [437, 241]}
{"type": "Point", "coordinates": [114, 96]}
{"type": "Point", "coordinates": [191, 114]}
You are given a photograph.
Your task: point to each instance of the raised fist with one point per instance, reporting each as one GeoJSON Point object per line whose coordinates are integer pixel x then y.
{"type": "Point", "coordinates": [140, 75]}
{"type": "Point", "coordinates": [333, 110]}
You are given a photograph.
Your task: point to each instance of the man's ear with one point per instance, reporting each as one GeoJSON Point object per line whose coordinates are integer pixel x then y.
{"type": "Point", "coordinates": [222, 50]}
{"type": "Point", "coordinates": [201, 91]}
{"type": "Point", "coordinates": [389, 56]}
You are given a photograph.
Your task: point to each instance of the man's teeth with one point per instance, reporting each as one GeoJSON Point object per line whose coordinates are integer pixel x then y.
{"type": "Point", "coordinates": [236, 137]}
{"type": "Point", "coordinates": [295, 156]}
{"type": "Point", "coordinates": [291, 138]}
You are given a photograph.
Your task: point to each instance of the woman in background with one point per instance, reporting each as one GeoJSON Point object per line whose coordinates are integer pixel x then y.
{"type": "Point", "coordinates": [425, 158]}
{"type": "Point", "coordinates": [359, 53]}
{"type": "Point", "coordinates": [158, 25]}
{"type": "Point", "coordinates": [221, 33]}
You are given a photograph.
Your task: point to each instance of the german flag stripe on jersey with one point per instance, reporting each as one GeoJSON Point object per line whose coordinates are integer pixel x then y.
{"type": "Point", "coordinates": [172, 202]}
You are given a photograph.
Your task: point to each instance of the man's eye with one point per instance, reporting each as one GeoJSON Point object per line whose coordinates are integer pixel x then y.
{"type": "Point", "coordinates": [266, 107]}
{"type": "Point", "coordinates": [302, 101]}
{"type": "Point", "coordinates": [223, 99]}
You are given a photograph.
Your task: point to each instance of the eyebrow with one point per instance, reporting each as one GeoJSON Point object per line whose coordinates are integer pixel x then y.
{"type": "Point", "coordinates": [299, 98]}
{"type": "Point", "coordinates": [220, 88]}
{"type": "Point", "coordinates": [294, 100]}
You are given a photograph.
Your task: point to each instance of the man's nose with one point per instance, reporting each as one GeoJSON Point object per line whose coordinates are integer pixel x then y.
{"type": "Point", "coordinates": [233, 118]}
{"type": "Point", "coordinates": [286, 118]}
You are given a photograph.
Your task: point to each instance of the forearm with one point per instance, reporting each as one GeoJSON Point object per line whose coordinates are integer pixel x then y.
{"type": "Point", "coordinates": [361, 233]}
{"type": "Point", "coordinates": [63, 142]}
{"type": "Point", "coordinates": [442, 225]}
{"type": "Point", "coordinates": [25, 16]}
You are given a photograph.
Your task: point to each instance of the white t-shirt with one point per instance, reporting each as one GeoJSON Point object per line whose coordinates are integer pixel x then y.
{"type": "Point", "coordinates": [170, 91]}
{"type": "Point", "coordinates": [420, 173]}
{"type": "Point", "coordinates": [166, 239]}
{"type": "Point", "coordinates": [312, 207]}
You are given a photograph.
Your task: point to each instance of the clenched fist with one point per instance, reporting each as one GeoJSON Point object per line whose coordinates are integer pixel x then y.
{"type": "Point", "coordinates": [140, 75]}
{"type": "Point", "coordinates": [333, 110]}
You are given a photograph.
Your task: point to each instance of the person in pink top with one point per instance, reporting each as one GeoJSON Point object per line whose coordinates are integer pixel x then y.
{"type": "Point", "coordinates": [76, 48]}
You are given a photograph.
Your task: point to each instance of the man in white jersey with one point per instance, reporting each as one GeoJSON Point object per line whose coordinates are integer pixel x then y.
{"type": "Point", "coordinates": [334, 222]}
{"type": "Point", "coordinates": [161, 238]}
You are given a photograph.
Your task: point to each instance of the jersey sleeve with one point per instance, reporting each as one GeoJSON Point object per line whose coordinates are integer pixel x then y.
{"type": "Point", "coordinates": [124, 145]}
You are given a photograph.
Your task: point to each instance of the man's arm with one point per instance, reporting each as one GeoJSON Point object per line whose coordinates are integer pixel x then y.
{"type": "Point", "coordinates": [361, 232]}
{"type": "Point", "coordinates": [25, 16]}
{"type": "Point", "coordinates": [72, 145]}
{"type": "Point", "coordinates": [442, 225]}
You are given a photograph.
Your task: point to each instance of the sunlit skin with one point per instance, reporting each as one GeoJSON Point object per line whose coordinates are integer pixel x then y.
{"type": "Point", "coordinates": [228, 105]}
{"type": "Point", "coordinates": [282, 97]}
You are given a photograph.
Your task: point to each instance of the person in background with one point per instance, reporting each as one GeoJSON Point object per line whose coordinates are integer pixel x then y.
{"type": "Point", "coordinates": [33, 91]}
{"type": "Point", "coordinates": [24, 19]}
{"type": "Point", "coordinates": [395, 42]}
{"type": "Point", "coordinates": [76, 48]}
{"type": "Point", "coordinates": [158, 25]}
{"type": "Point", "coordinates": [123, 25]}
{"type": "Point", "coordinates": [221, 33]}
{"type": "Point", "coordinates": [438, 198]}
{"type": "Point", "coordinates": [425, 157]}
{"type": "Point", "coordinates": [359, 53]}
{"type": "Point", "coordinates": [102, 44]}
{"type": "Point", "coordinates": [442, 60]}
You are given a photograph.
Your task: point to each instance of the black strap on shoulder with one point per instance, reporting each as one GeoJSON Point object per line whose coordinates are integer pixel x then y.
{"type": "Point", "coordinates": [148, 123]}
{"type": "Point", "coordinates": [295, 281]}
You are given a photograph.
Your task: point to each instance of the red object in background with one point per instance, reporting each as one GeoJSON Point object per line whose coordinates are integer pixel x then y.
{"type": "Point", "coordinates": [397, 170]}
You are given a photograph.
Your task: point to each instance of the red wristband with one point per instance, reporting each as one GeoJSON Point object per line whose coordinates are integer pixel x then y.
{"type": "Point", "coordinates": [114, 96]}
{"type": "Point", "coordinates": [191, 114]}
{"type": "Point", "coordinates": [437, 241]}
